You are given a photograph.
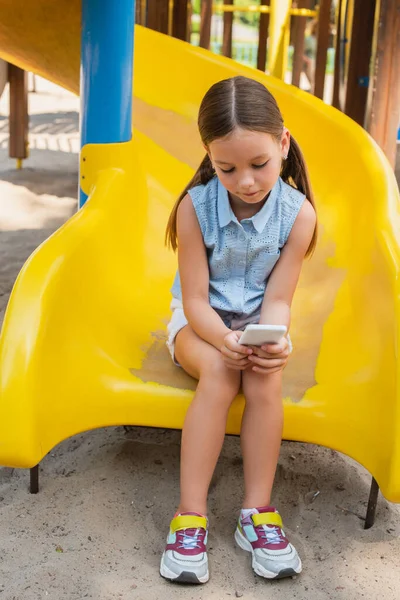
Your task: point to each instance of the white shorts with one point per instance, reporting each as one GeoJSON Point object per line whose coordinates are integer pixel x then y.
{"type": "Point", "coordinates": [179, 321]}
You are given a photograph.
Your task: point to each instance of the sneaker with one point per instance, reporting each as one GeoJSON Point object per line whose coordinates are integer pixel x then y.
{"type": "Point", "coordinates": [260, 532]}
{"type": "Point", "coordinates": [185, 557]}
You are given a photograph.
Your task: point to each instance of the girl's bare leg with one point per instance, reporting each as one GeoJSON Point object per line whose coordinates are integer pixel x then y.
{"type": "Point", "coordinates": [205, 423]}
{"type": "Point", "coordinates": [261, 435]}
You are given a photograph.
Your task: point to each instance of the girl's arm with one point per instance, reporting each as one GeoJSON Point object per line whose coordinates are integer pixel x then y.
{"type": "Point", "coordinates": [282, 284]}
{"type": "Point", "coordinates": [194, 275]}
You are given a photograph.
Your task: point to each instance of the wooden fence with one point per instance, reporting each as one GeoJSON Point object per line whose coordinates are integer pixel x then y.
{"type": "Point", "coordinates": [358, 30]}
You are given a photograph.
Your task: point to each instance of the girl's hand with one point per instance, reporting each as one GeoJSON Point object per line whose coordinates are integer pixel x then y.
{"type": "Point", "coordinates": [234, 354]}
{"type": "Point", "coordinates": [270, 358]}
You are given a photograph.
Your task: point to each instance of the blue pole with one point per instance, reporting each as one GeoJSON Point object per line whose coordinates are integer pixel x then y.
{"type": "Point", "coordinates": [106, 72]}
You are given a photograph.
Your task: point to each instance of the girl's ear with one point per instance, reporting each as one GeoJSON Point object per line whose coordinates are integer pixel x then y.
{"type": "Point", "coordinates": [285, 142]}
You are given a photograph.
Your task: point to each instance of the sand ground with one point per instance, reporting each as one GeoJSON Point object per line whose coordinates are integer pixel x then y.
{"type": "Point", "coordinates": [98, 525]}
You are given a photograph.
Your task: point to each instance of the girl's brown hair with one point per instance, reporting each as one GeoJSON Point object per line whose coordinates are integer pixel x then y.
{"type": "Point", "coordinates": [245, 103]}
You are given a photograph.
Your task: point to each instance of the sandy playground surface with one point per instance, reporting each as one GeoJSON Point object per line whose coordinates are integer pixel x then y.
{"type": "Point", "coordinates": [98, 526]}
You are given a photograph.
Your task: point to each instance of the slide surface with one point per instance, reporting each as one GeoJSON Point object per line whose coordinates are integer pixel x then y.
{"type": "Point", "coordinates": [83, 342]}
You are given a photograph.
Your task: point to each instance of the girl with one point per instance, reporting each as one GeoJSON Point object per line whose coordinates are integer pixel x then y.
{"type": "Point", "coordinates": [242, 228]}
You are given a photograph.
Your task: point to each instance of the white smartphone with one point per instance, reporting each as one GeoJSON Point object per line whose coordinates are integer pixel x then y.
{"type": "Point", "coordinates": [257, 335]}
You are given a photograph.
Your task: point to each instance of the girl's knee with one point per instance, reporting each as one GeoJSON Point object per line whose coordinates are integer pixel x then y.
{"type": "Point", "coordinates": [221, 380]}
{"type": "Point", "coordinates": [263, 390]}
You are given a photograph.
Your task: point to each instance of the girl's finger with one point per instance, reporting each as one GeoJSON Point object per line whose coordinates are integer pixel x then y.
{"type": "Point", "coordinates": [232, 343]}
{"type": "Point", "coordinates": [265, 363]}
{"type": "Point", "coordinates": [276, 348]}
{"type": "Point", "coordinates": [241, 363]}
{"type": "Point", "coordinates": [235, 347]}
{"type": "Point", "coordinates": [263, 354]}
{"type": "Point", "coordinates": [262, 371]}
{"type": "Point", "coordinates": [232, 354]}
{"type": "Point", "coordinates": [235, 367]}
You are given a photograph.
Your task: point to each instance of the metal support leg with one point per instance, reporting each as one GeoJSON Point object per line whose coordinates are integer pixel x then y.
{"type": "Point", "coordinates": [372, 502]}
{"type": "Point", "coordinates": [34, 480]}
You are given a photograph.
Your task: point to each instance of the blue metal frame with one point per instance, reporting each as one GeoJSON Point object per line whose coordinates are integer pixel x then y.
{"type": "Point", "coordinates": [106, 72]}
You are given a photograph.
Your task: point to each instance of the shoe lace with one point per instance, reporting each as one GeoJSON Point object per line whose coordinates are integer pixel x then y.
{"type": "Point", "coordinates": [271, 535]}
{"type": "Point", "coordinates": [190, 539]}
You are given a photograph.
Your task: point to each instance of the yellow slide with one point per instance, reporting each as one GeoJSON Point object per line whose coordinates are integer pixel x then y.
{"type": "Point", "coordinates": [83, 339]}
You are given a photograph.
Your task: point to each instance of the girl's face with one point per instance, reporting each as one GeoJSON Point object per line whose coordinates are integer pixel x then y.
{"type": "Point", "coordinates": [248, 163]}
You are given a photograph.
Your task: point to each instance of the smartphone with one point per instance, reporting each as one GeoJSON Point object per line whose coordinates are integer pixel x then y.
{"type": "Point", "coordinates": [258, 335]}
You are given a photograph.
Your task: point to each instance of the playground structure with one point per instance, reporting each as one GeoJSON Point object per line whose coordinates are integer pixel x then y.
{"type": "Point", "coordinates": [82, 344]}
{"type": "Point", "coordinates": [363, 35]}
